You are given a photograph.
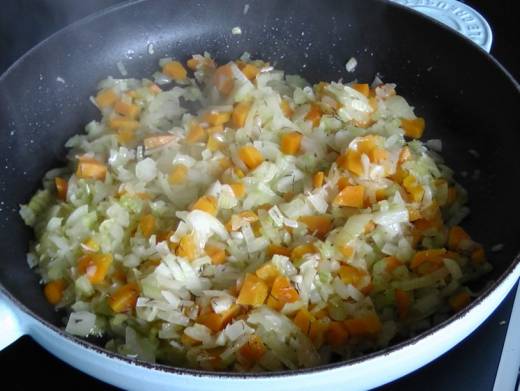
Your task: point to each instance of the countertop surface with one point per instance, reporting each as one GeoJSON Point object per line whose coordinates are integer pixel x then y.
{"type": "Point", "coordinates": [471, 365]}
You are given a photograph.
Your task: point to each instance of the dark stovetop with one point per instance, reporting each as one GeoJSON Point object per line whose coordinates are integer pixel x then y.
{"type": "Point", "coordinates": [471, 365]}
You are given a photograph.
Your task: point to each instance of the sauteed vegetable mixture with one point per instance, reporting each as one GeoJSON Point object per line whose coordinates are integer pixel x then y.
{"type": "Point", "coordinates": [234, 217]}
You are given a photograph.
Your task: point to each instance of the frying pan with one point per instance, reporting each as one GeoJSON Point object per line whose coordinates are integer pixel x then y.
{"type": "Point", "coordinates": [468, 99]}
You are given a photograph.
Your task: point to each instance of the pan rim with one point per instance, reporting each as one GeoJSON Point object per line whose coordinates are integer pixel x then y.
{"type": "Point", "coordinates": [196, 373]}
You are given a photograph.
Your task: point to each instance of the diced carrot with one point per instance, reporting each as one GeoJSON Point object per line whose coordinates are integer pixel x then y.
{"type": "Point", "coordinates": [175, 70]}
{"type": "Point", "coordinates": [343, 182]}
{"type": "Point", "coordinates": [216, 253]}
{"type": "Point", "coordinates": [273, 303]}
{"type": "Point", "coordinates": [368, 325]}
{"type": "Point", "coordinates": [352, 196]}
{"type": "Point", "coordinates": [120, 123]}
{"type": "Point", "coordinates": [207, 204]}
{"type": "Point", "coordinates": [478, 255]}
{"type": "Point", "coordinates": [279, 250]}
{"type": "Point", "coordinates": [106, 98]}
{"type": "Point", "coordinates": [268, 272]}
{"type": "Point", "coordinates": [216, 322]}
{"type": "Point", "coordinates": [434, 256]}
{"type": "Point", "coordinates": [223, 79]}
{"type": "Point", "coordinates": [354, 164]}
{"type": "Point", "coordinates": [362, 88]}
{"type": "Point", "coordinates": [214, 144]}
{"type": "Point", "coordinates": [459, 301]}
{"type": "Point", "coordinates": [216, 118]}
{"type": "Point", "coordinates": [240, 113]}
{"type": "Point", "coordinates": [251, 156]}
{"type": "Point", "coordinates": [456, 237]}
{"type": "Point", "coordinates": [367, 289]}
{"type": "Point", "coordinates": [350, 274]}
{"type": "Point", "coordinates": [378, 155]}
{"type": "Point", "coordinates": [239, 189]}
{"type": "Point", "coordinates": [253, 292]}
{"type": "Point", "coordinates": [299, 251]}
{"type": "Point", "coordinates": [178, 174]}
{"type": "Point", "coordinates": [119, 273]}
{"type": "Point", "coordinates": [61, 188]}
{"type": "Point", "coordinates": [413, 188]}
{"type": "Point", "coordinates": [283, 290]}
{"type": "Point", "coordinates": [124, 298]}
{"type": "Point", "coordinates": [290, 143]}
{"type": "Point", "coordinates": [125, 136]}
{"type": "Point", "coordinates": [392, 263]}
{"type": "Point", "coordinates": [337, 335]}
{"type": "Point", "coordinates": [303, 320]}
{"type": "Point", "coordinates": [318, 179]}
{"type": "Point", "coordinates": [318, 332]}
{"type": "Point", "coordinates": [366, 144]}
{"type": "Point", "coordinates": [286, 108]}
{"type": "Point", "coordinates": [127, 109]}
{"type": "Point", "coordinates": [314, 114]}
{"type": "Point", "coordinates": [89, 168]}
{"type": "Point", "coordinates": [342, 160]}
{"type": "Point", "coordinates": [253, 349]}
{"type": "Point", "coordinates": [187, 248]}
{"type": "Point", "coordinates": [321, 225]}
{"type": "Point", "coordinates": [250, 71]}
{"type": "Point", "coordinates": [399, 176]}
{"type": "Point", "coordinates": [347, 251]}
{"type": "Point", "coordinates": [413, 128]}
{"type": "Point", "coordinates": [147, 225]}
{"type": "Point", "coordinates": [192, 63]}
{"type": "Point", "coordinates": [95, 266]}
{"type": "Point", "coordinates": [422, 225]}
{"type": "Point", "coordinates": [402, 302]}
{"type": "Point", "coordinates": [54, 291]}
{"type": "Point", "coordinates": [381, 194]}
{"type": "Point", "coordinates": [195, 134]}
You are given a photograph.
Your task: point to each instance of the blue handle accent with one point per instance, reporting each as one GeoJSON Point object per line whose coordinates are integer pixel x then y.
{"type": "Point", "coordinates": [10, 326]}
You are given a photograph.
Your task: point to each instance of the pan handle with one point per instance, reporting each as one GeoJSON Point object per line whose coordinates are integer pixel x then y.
{"type": "Point", "coordinates": [10, 326]}
{"type": "Point", "coordinates": [457, 15]}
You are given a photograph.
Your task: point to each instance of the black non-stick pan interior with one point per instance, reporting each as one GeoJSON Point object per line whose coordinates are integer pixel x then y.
{"type": "Point", "coordinates": [467, 99]}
